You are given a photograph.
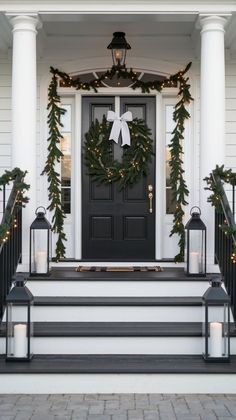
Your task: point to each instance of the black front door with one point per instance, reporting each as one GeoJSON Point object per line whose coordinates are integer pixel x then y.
{"type": "Point", "coordinates": [117, 225]}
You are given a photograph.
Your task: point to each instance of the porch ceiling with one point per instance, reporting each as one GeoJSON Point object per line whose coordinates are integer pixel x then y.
{"type": "Point", "coordinates": [170, 36]}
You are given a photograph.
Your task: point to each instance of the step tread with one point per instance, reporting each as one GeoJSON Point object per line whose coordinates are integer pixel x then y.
{"type": "Point", "coordinates": [117, 329]}
{"type": "Point", "coordinates": [71, 364]}
{"type": "Point", "coordinates": [169, 274]}
{"type": "Point", "coordinates": [116, 301]}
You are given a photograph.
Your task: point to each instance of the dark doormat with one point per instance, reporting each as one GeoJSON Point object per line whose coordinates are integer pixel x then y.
{"type": "Point", "coordinates": [83, 268]}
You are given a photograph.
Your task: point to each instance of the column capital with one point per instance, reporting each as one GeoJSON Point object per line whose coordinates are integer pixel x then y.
{"type": "Point", "coordinates": [24, 22]}
{"type": "Point", "coordinates": [212, 22]}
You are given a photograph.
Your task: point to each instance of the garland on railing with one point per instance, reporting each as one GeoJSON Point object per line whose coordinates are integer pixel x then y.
{"type": "Point", "coordinates": [21, 199]}
{"type": "Point", "coordinates": [226, 175]}
{"type": "Point", "coordinates": [181, 114]}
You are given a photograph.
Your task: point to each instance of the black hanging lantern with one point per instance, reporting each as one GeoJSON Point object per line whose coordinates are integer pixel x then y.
{"type": "Point", "coordinates": [195, 251]}
{"type": "Point", "coordinates": [19, 325]}
{"type": "Point", "coordinates": [216, 323]}
{"type": "Point", "coordinates": [40, 245]}
{"type": "Point", "coordinates": [119, 47]}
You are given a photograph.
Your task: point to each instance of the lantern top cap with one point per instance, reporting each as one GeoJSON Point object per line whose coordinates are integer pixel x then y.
{"type": "Point", "coordinates": [195, 222]}
{"type": "Point", "coordinates": [216, 281]}
{"type": "Point", "coordinates": [119, 41]}
{"type": "Point", "coordinates": [19, 293]}
{"type": "Point", "coordinates": [195, 213]}
{"type": "Point", "coordinates": [215, 294]}
{"type": "Point", "coordinates": [40, 221]}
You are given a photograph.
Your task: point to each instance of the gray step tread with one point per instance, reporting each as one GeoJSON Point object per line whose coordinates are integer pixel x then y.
{"type": "Point", "coordinates": [117, 329]}
{"type": "Point", "coordinates": [69, 274]}
{"type": "Point", "coordinates": [117, 301]}
{"type": "Point", "coordinates": [72, 364]}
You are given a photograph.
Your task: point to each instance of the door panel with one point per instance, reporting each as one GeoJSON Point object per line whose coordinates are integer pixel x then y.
{"type": "Point", "coordinates": [117, 225]}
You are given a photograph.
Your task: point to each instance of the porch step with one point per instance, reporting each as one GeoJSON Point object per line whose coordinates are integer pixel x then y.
{"type": "Point", "coordinates": [117, 374]}
{"type": "Point", "coordinates": [117, 301]}
{"type": "Point", "coordinates": [117, 364]}
{"type": "Point", "coordinates": [68, 282]}
{"type": "Point", "coordinates": [118, 329]}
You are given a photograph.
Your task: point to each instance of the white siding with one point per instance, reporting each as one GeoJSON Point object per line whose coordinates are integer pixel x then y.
{"type": "Point", "coordinates": [230, 137]}
{"type": "Point", "coordinates": [5, 113]}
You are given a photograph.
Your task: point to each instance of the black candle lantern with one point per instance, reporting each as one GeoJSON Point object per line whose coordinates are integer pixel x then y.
{"type": "Point", "coordinates": [216, 323]}
{"type": "Point", "coordinates": [40, 245]}
{"type": "Point", "coordinates": [119, 47]}
{"type": "Point", "coordinates": [195, 251]}
{"type": "Point", "coordinates": [19, 325]}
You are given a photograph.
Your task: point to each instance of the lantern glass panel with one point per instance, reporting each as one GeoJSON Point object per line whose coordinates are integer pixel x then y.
{"type": "Point", "coordinates": [215, 331]}
{"type": "Point", "coordinates": [118, 56]}
{"type": "Point", "coordinates": [19, 331]}
{"type": "Point", "coordinates": [195, 251]}
{"type": "Point", "coordinates": [41, 251]}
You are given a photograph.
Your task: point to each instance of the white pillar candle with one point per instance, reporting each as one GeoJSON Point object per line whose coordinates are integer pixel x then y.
{"type": "Point", "coordinates": [41, 262]}
{"type": "Point", "coordinates": [194, 262]}
{"type": "Point", "coordinates": [215, 339]}
{"type": "Point", "coordinates": [20, 340]}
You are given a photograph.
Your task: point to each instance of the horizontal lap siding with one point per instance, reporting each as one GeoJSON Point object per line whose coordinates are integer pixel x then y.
{"type": "Point", "coordinates": [230, 125]}
{"type": "Point", "coordinates": [5, 114]}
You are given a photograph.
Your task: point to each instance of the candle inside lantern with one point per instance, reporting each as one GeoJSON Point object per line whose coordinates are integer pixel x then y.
{"type": "Point", "coordinates": [194, 262]}
{"type": "Point", "coordinates": [41, 262]}
{"type": "Point", "coordinates": [215, 339]}
{"type": "Point", "coordinates": [20, 340]}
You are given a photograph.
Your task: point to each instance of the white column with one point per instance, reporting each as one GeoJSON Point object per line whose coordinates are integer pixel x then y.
{"type": "Point", "coordinates": [24, 112]}
{"type": "Point", "coordinates": [212, 112]}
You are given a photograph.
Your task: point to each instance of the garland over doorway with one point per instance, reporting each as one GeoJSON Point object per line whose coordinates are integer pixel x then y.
{"type": "Point", "coordinates": [180, 115]}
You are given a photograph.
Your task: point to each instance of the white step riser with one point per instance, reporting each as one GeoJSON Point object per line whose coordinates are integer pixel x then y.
{"type": "Point", "coordinates": [112, 314]}
{"type": "Point", "coordinates": [117, 288]}
{"type": "Point", "coordinates": [118, 345]}
{"type": "Point", "coordinates": [118, 383]}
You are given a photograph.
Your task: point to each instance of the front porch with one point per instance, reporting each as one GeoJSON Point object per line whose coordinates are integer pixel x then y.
{"type": "Point", "coordinates": [101, 331]}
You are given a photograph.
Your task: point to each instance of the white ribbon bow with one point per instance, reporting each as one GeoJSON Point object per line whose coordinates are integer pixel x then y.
{"type": "Point", "coordinates": [120, 125]}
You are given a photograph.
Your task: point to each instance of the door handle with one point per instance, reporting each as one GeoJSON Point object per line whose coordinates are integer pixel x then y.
{"type": "Point", "coordinates": [150, 197]}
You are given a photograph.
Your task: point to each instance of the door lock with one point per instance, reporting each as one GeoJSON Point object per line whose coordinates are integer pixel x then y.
{"type": "Point", "coordinates": [150, 197]}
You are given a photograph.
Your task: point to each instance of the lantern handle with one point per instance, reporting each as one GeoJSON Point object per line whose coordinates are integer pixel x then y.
{"type": "Point", "coordinates": [195, 207]}
{"type": "Point", "coordinates": [40, 207]}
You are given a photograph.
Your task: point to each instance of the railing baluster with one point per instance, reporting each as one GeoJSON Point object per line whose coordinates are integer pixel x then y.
{"type": "Point", "coordinates": [224, 243]}
{"type": "Point", "coordinates": [10, 250]}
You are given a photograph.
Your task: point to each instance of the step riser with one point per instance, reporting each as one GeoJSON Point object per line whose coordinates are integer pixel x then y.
{"type": "Point", "coordinates": [112, 314]}
{"type": "Point", "coordinates": [118, 345]}
{"type": "Point", "coordinates": [117, 383]}
{"type": "Point", "coordinates": [117, 288]}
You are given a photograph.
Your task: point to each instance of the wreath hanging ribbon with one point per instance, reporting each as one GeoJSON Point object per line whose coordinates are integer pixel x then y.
{"type": "Point", "coordinates": [120, 125]}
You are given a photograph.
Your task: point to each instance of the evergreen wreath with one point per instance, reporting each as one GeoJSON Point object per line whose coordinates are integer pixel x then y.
{"type": "Point", "coordinates": [181, 114]}
{"type": "Point", "coordinates": [136, 157]}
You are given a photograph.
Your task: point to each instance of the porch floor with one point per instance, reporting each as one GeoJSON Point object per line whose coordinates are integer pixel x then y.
{"type": "Point", "coordinates": [169, 274]}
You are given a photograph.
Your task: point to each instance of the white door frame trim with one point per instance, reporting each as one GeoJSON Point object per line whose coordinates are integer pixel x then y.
{"type": "Point", "coordinates": [117, 92]}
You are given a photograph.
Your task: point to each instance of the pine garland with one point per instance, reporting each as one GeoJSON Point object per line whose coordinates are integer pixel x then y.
{"type": "Point", "coordinates": [181, 114]}
{"type": "Point", "coordinates": [20, 189]}
{"type": "Point", "coordinates": [136, 158]}
{"type": "Point", "coordinates": [226, 175]}
{"type": "Point", "coordinates": [54, 157]}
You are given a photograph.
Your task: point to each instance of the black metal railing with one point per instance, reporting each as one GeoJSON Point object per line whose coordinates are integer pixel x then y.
{"type": "Point", "coordinates": [10, 248]}
{"type": "Point", "coordinates": [224, 243]}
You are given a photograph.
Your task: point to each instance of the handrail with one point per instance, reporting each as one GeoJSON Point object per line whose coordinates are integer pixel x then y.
{"type": "Point", "coordinates": [225, 242]}
{"type": "Point", "coordinates": [10, 248]}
